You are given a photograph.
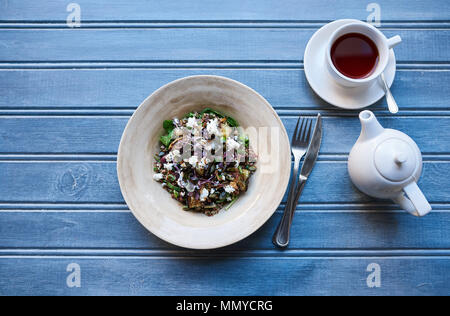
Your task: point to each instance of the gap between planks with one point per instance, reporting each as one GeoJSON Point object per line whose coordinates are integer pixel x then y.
{"type": "Point", "coordinates": [67, 207]}
{"type": "Point", "coordinates": [283, 112]}
{"type": "Point", "coordinates": [112, 157]}
{"type": "Point", "coordinates": [192, 65]}
{"type": "Point", "coordinates": [213, 24]}
{"type": "Point", "coordinates": [60, 253]}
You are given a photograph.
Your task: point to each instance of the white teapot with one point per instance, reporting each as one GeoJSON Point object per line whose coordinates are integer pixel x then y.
{"type": "Point", "coordinates": [386, 164]}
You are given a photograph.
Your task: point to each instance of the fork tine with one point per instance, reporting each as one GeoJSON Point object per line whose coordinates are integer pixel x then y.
{"type": "Point", "coordinates": [303, 132]}
{"type": "Point", "coordinates": [300, 131]}
{"type": "Point", "coordinates": [295, 131]}
{"type": "Point", "coordinates": [308, 136]}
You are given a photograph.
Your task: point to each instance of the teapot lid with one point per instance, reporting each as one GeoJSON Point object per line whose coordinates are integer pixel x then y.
{"type": "Point", "coordinates": [395, 159]}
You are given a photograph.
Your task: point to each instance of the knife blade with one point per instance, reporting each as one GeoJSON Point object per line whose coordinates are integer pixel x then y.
{"type": "Point", "coordinates": [310, 158]}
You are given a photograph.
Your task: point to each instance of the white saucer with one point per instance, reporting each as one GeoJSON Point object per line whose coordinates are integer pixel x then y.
{"type": "Point", "coordinates": [323, 84]}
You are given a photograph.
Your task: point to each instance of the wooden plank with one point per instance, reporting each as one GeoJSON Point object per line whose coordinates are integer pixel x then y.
{"type": "Point", "coordinates": [127, 88]}
{"type": "Point", "coordinates": [207, 10]}
{"type": "Point", "coordinates": [68, 182]}
{"type": "Point", "coordinates": [101, 135]}
{"type": "Point", "coordinates": [224, 276]}
{"type": "Point", "coordinates": [87, 135]}
{"type": "Point", "coordinates": [96, 182]}
{"type": "Point", "coordinates": [311, 230]}
{"type": "Point", "coordinates": [193, 44]}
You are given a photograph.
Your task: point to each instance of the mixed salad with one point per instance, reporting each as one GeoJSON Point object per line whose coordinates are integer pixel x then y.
{"type": "Point", "coordinates": [205, 161]}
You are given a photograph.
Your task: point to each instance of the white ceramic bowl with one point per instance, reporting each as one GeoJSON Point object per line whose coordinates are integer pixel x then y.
{"type": "Point", "coordinates": [155, 208]}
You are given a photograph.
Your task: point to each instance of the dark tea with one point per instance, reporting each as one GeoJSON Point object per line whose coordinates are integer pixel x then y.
{"type": "Point", "coordinates": [354, 55]}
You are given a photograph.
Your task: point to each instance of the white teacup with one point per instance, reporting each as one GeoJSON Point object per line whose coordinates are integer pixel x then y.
{"type": "Point", "coordinates": [382, 43]}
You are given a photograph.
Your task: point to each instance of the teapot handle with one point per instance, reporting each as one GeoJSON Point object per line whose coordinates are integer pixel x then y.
{"type": "Point", "coordinates": [414, 202]}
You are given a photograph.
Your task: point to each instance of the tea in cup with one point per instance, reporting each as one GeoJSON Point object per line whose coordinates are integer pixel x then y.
{"type": "Point", "coordinates": [358, 53]}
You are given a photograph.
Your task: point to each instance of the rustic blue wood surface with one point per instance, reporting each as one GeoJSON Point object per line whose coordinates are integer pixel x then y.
{"type": "Point", "coordinates": [66, 95]}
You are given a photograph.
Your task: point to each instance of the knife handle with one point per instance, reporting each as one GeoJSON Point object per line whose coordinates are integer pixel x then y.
{"type": "Point", "coordinates": [282, 234]}
{"type": "Point", "coordinates": [299, 189]}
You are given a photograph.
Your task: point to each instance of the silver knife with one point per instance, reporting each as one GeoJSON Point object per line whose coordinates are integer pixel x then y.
{"type": "Point", "coordinates": [282, 237]}
{"type": "Point", "coordinates": [310, 159]}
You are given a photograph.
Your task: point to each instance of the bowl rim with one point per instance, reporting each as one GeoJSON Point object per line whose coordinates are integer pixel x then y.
{"type": "Point", "coordinates": [175, 241]}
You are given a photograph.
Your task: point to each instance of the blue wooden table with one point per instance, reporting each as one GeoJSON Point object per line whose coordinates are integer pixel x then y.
{"type": "Point", "coordinates": [66, 93]}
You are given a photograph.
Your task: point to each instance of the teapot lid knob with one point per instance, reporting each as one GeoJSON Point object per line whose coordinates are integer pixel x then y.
{"type": "Point", "coordinates": [400, 158]}
{"type": "Point", "coordinates": [395, 159]}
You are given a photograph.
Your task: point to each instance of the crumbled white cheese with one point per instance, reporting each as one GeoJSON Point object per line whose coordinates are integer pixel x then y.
{"type": "Point", "coordinates": [176, 153]}
{"type": "Point", "coordinates": [232, 144]}
{"type": "Point", "coordinates": [193, 160]}
{"type": "Point", "coordinates": [213, 127]}
{"type": "Point", "coordinates": [197, 131]}
{"type": "Point", "coordinates": [229, 189]}
{"type": "Point", "coordinates": [168, 166]}
{"type": "Point", "coordinates": [176, 156]}
{"type": "Point", "coordinates": [180, 179]}
{"type": "Point", "coordinates": [187, 185]}
{"type": "Point", "coordinates": [212, 191]}
{"type": "Point", "coordinates": [192, 123]}
{"type": "Point", "coordinates": [158, 176]}
{"type": "Point", "coordinates": [204, 194]}
{"type": "Point", "coordinates": [177, 132]}
{"type": "Point", "coordinates": [169, 157]}
{"type": "Point", "coordinates": [199, 143]}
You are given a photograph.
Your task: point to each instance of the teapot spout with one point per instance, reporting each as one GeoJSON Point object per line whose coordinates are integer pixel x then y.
{"type": "Point", "coordinates": [370, 126]}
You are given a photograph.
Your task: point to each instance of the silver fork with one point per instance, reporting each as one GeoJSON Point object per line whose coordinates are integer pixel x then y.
{"type": "Point", "coordinates": [299, 144]}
